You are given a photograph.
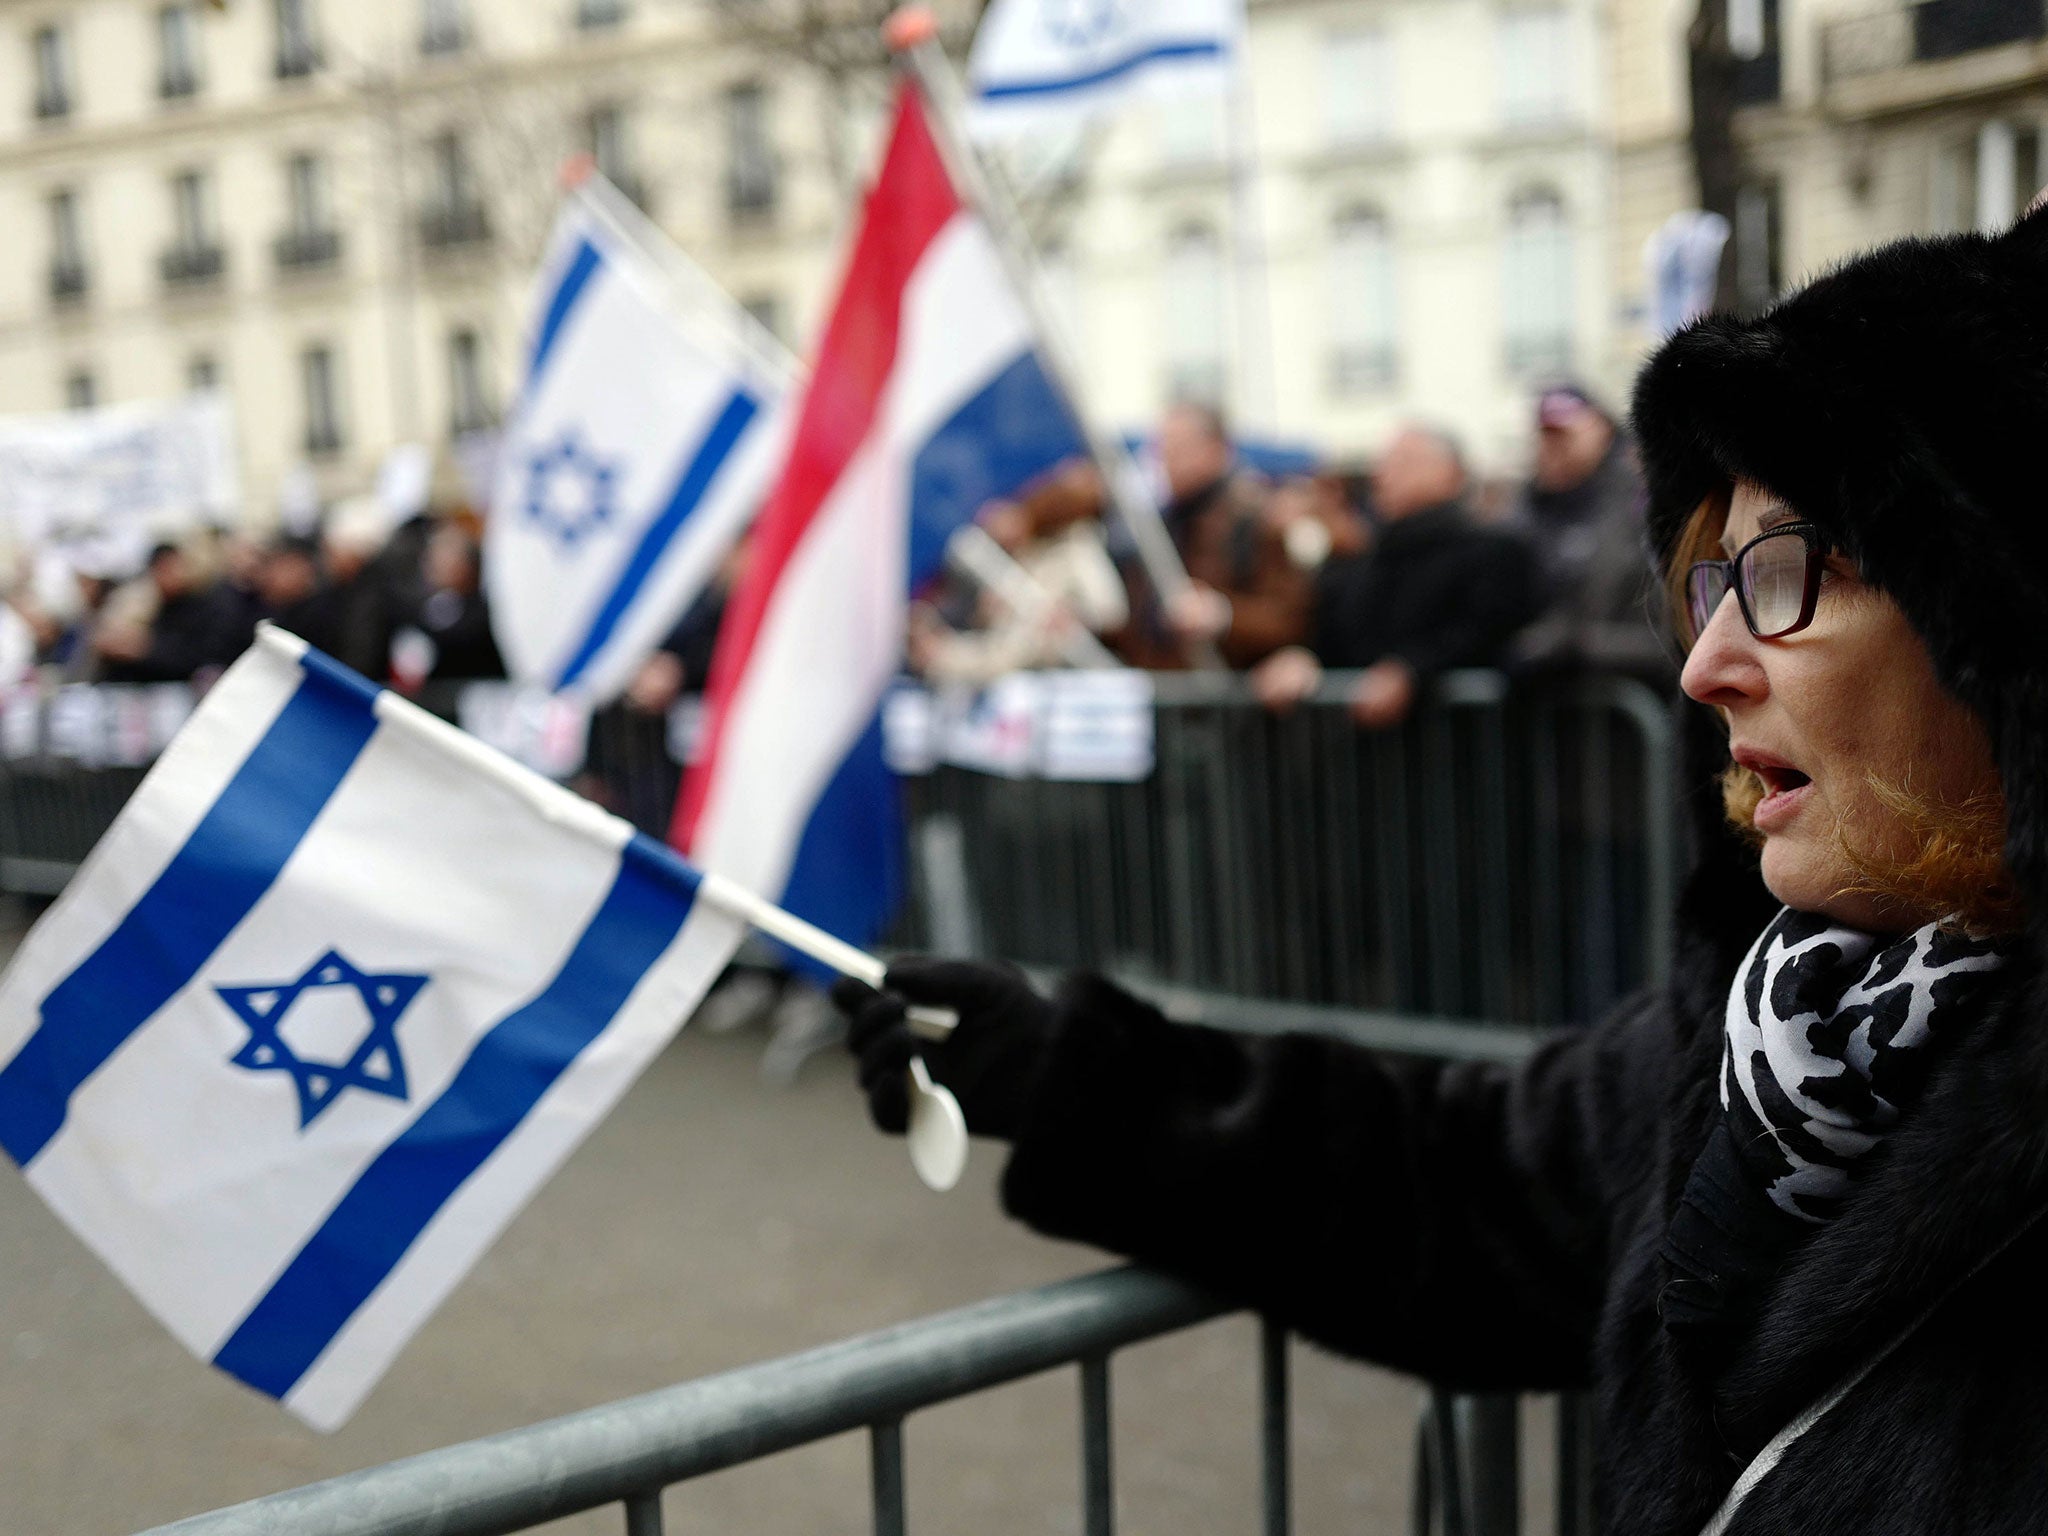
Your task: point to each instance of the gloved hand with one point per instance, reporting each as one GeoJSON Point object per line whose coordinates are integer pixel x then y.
{"type": "Point", "coordinates": [990, 1061]}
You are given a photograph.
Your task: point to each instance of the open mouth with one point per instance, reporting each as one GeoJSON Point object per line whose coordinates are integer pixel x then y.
{"type": "Point", "coordinates": [1781, 781]}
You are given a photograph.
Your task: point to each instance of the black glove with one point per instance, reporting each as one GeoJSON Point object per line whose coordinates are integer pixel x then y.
{"type": "Point", "coordinates": [990, 1061]}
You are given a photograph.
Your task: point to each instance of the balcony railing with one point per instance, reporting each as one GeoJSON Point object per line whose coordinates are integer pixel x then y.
{"type": "Point", "coordinates": [177, 83]}
{"type": "Point", "coordinates": [302, 250]}
{"type": "Point", "coordinates": [454, 228]}
{"type": "Point", "coordinates": [1760, 79]}
{"type": "Point", "coordinates": [52, 104]}
{"type": "Point", "coordinates": [297, 57]}
{"type": "Point", "coordinates": [192, 266]}
{"type": "Point", "coordinates": [1924, 33]}
{"type": "Point", "coordinates": [69, 282]}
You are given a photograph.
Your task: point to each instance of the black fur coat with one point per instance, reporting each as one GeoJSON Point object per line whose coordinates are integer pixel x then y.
{"type": "Point", "coordinates": [1487, 1227]}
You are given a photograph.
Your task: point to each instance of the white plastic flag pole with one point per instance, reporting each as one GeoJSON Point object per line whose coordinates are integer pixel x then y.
{"type": "Point", "coordinates": [937, 1133]}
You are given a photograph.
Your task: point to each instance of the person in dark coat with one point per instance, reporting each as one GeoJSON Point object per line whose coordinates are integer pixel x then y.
{"type": "Point", "coordinates": [1582, 513]}
{"type": "Point", "coordinates": [1434, 591]}
{"type": "Point", "coordinates": [1784, 1213]}
{"type": "Point", "coordinates": [1246, 598]}
{"type": "Point", "coordinates": [191, 634]}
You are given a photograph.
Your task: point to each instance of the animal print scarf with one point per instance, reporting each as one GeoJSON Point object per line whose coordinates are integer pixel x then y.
{"type": "Point", "coordinates": [1831, 1036]}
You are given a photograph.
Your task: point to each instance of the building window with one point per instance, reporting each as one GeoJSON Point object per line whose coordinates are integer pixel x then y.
{"type": "Point", "coordinates": [69, 278]}
{"type": "Point", "coordinates": [177, 48]}
{"type": "Point", "coordinates": [1537, 264]}
{"type": "Point", "coordinates": [1759, 243]}
{"type": "Point", "coordinates": [1192, 288]}
{"type": "Point", "coordinates": [444, 26]}
{"type": "Point", "coordinates": [298, 44]}
{"type": "Point", "coordinates": [751, 170]}
{"type": "Point", "coordinates": [1533, 49]}
{"type": "Point", "coordinates": [1753, 42]}
{"type": "Point", "coordinates": [322, 401]}
{"type": "Point", "coordinates": [81, 390]}
{"type": "Point", "coordinates": [599, 13]}
{"type": "Point", "coordinates": [1363, 317]}
{"type": "Point", "coordinates": [53, 73]}
{"type": "Point", "coordinates": [309, 238]}
{"type": "Point", "coordinates": [1985, 181]}
{"type": "Point", "coordinates": [469, 406]}
{"type": "Point", "coordinates": [1358, 87]}
{"type": "Point", "coordinates": [604, 136]}
{"type": "Point", "coordinates": [195, 255]}
{"type": "Point", "coordinates": [202, 372]}
{"type": "Point", "coordinates": [454, 214]}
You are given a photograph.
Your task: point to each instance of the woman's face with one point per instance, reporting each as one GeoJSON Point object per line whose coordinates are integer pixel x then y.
{"type": "Point", "coordinates": [1817, 714]}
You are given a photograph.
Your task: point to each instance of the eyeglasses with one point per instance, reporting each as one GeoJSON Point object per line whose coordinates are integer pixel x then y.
{"type": "Point", "coordinates": [1776, 577]}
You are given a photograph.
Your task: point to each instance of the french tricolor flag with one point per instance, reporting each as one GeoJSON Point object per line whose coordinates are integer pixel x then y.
{"type": "Point", "coordinates": [927, 399]}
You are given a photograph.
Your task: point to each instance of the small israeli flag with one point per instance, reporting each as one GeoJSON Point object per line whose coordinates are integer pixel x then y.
{"type": "Point", "coordinates": [638, 451]}
{"type": "Point", "coordinates": [1043, 63]}
{"type": "Point", "coordinates": [334, 996]}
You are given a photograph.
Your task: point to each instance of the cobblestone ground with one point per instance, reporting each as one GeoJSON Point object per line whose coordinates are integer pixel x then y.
{"type": "Point", "coordinates": [711, 1221]}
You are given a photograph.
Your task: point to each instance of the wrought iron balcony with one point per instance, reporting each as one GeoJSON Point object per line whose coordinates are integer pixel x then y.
{"type": "Point", "coordinates": [303, 250]}
{"type": "Point", "coordinates": [69, 282]}
{"type": "Point", "coordinates": [1924, 33]}
{"type": "Point", "coordinates": [53, 104]}
{"type": "Point", "coordinates": [192, 266]}
{"type": "Point", "coordinates": [297, 57]}
{"type": "Point", "coordinates": [447, 228]}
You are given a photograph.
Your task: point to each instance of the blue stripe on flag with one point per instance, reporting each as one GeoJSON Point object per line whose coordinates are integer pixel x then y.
{"type": "Point", "coordinates": [695, 481]}
{"type": "Point", "coordinates": [847, 876]}
{"type": "Point", "coordinates": [231, 859]}
{"type": "Point", "coordinates": [1055, 85]}
{"type": "Point", "coordinates": [404, 1188]}
{"type": "Point", "coordinates": [582, 267]}
{"type": "Point", "coordinates": [1014, 430]}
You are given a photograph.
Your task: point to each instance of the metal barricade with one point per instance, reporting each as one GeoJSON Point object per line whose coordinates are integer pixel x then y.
{"type": "Point", "coordinates": [626, 1453]}
{"type": "Point", "coordinates": [1499, 857]}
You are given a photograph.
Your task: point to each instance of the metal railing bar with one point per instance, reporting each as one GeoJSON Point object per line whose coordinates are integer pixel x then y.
{"type": "Point", "coordinates": [1275, 1446]}
{"type": "Point", "coordinates": [643, 1514]}
{"type": "Point", "coordinates": [524, 1477]}
{"type": "Point", "coordinates": [1098, 1494]}
{"type": "Point", "coordinates": [885, 1462]}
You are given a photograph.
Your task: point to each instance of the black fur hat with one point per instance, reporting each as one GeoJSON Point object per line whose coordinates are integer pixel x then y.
{"type": "Point", "coordinates": [1901, 402]}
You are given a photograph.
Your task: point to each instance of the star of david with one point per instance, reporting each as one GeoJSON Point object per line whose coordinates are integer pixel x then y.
{"type": "Point", "coordinates": [569, 490]}
{"type": "Point", "coordinates": [374, 1065]}
{"type": "Point", "coordinates": [1077, 23]}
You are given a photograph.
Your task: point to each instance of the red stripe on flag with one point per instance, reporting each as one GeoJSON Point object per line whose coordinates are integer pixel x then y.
{"type": "Point", "coordinates": [911, 201]}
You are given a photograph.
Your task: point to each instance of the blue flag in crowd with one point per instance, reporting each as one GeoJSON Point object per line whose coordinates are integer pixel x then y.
{"type": "Point", "coordinates": [638, 450]}
{"type": "Point", "coordinates": [333, 997]}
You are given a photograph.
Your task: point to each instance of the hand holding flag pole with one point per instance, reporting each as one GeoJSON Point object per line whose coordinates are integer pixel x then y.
{"type": "Point", "coordinates": [938, 1129]}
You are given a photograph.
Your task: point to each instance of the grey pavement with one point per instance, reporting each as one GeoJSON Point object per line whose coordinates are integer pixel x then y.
{"type": "Point", "coordinates": [710, 1221]}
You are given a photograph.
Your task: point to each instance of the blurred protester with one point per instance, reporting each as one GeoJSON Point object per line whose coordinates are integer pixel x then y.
{"type": "Point", "coordinates": [290, 592]}
{"type": "Point", "coordinates": [1054, 533]}
{"type": "Point", "coordinates": [360, 598]}
{"type": "Point", "coordinates": [1247, 598]}
{"type": "Point", "coordinates": [1435, 591]}
{"type": "Point", "coordinates": [166, 626]}
{"type": "Point", "coordinates": [1316, 521]}
{"type": "Point", "coordinates": [1582, 513]}
{"type": "Point", "coordinates": [448, 636]}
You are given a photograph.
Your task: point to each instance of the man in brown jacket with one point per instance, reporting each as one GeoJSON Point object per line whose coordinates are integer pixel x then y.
{"type": "Point", "coordinates": [1248, 598]}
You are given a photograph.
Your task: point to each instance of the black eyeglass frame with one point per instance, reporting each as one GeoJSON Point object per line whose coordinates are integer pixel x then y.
{"type": "Point", "coordinates": [1731, 573]}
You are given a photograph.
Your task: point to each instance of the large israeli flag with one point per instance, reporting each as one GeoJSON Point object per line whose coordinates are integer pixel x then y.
{"type": "Point", "coordinates": [638, 450]}
{"type": "Point", "coordinates": [1041, 63]}
{"type": "Point", "coordinates": [334, 996]}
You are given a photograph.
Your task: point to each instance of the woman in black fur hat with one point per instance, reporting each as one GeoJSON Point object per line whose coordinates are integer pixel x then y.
{"type": "Point", "coordinates": [1782, 1214]}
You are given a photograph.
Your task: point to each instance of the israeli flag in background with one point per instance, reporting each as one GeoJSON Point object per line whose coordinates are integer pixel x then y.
{"type": "Point", "coordinates": [1043, 63]}
{"type": "Point", "coordinates": [333, 997]}
{"type": "Point", "coordinates": [636, 455]}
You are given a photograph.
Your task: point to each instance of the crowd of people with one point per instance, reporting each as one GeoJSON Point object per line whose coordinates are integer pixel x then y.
{"type": "Point", "coordinates": [402, 604]}
{"type": "Point", "coordinates": [1394, 575]}
{"type": "Point", "coordinates": [1397, 575]}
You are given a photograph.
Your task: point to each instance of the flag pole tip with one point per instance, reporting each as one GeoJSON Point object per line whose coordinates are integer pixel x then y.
{"type": "Point", "coordinates": [910, 26]}
{"type": "Point", "coordinates": [576, 170]}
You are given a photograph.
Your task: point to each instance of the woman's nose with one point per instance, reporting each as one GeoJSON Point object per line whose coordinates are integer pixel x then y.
{"type": "Point", "coordinates": [1723, 667]}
